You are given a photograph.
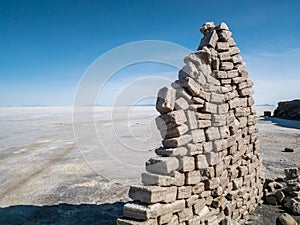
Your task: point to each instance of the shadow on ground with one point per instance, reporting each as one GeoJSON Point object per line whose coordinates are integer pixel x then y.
{"type": "Point", "coordinates": [267, 215]}
{"type": "Point", "coordinates": [283, 122]}
{"type": "Point", "coordinates": [105, 214]}
{"type": "Point", "coordinates": [62, 214]}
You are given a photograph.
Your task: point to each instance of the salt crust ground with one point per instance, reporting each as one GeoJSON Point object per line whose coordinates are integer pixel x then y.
{"type": "Point", "coordinates": [47, 179]}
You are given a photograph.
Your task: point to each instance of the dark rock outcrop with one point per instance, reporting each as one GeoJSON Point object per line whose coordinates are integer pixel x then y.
{"type": "Point", "coordinates": [288, 110]}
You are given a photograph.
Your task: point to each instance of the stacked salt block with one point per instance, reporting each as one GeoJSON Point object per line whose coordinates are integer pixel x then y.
{"type": "Point", "coordinates": [208, 170]}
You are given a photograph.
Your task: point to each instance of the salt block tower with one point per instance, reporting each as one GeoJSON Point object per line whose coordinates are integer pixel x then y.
{"type": "Point", "coordinates": [208, 170]}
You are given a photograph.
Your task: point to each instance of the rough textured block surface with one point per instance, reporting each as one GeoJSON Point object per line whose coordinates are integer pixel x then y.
{"type": "Point", "coordinates": [209, 168]}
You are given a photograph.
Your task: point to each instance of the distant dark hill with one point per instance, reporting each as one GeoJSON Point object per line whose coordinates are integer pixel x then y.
{"type": "Point", "coordinates": [288, 110]}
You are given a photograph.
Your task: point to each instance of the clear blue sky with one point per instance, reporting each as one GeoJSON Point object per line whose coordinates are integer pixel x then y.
{"type": "Point", "coordinates": [45, 46]}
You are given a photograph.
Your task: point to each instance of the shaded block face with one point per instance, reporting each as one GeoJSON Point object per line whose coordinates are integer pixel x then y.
{"type": "Point", "coordinates": [155, 179]}
{"type": "Point", "coordinates": [208, 169]}
{"type": "Point", "coordinates": [165, 100]}
{"type": "Point", "coordinates": [171, 120]}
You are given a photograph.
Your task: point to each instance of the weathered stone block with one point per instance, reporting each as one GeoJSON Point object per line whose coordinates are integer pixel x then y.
{"type": "Point", "coordinates": [181, 103]}
{"type": "Point", "coordinates": [170, 120]}
{"type": "Point", "coordinates": [222, 26]}
{"type": "Point", "coordinates": [177, 205]}
{"type": "Point", "coordinates": [194, 149]}
{"type": "Point", "coordinates": [162, 165]}
{"type": "Point", "coordinates": [219, 74]}
{"type": "Point", "coordinates": [198, 188]}
{"type": "Point", "coordinates": [210, 39]}
{"type": "Point", "coordinates": [203, 213]}
{"type": "Point", "coordinates": [147, 194]}
{"type": "Point", "coordinates": [208, 172]}
{"type": "Point", "coordinates": [215, 64]}
{"type": "Point", "coordinates": [224, 35]}
{"type": "Point", "coordinates": [243, 171]}
{"type": "Point", "coordinates": [180, 151]}
{"type": "Point", "coordinates": [223, 108]}
{"type": "Point", "coordinates": [198, 100]}
{"type": "Point", "coordinates": [237, 183]}
{"type": "Point", "coordinates": [189, 69]}
{"type": "Point", "coordinates": [195, 107]}
{"type": "Point", "coordinates": [181, 92]}
{"type": "Point", "coordinates": [226, 66]}
{"type": "Point", "coordinates": [218, 120]}
{"type": "Point", "coordinates": [204, 123]}
{"type": "Point", "coordinates": [205, 194]}
{"type": "Point", "coordinates": [224, 133]}
{"type": "Point", "coordinates": [224, 56]}
{"type": "Point", "coordinates": [219, 145]}
{"type": "Point", "coordinates": [206, 27]}
{"type": "Point", "coordinates": [218, 202]}
{"type": "Point", "coordinates": [185, 214]}
{"type": "Point", "coordinates": [177, 141]}
{"type": "Point", "coordinates": [226, 82]}
{"type": "Point", "coordinates": [165, 100]}
{"type": "Point", "coordinates": [212, 158]}
{"type": "Point", "coordinates": [242, 112]}
{"type": "Point", "coordinates": [234, 103]}
{"type": "Point", "coordinates": [212, 183]}
{"type": "Point", "coordinates": [141, 211]}
{"type": "Point", "coordinates": [201, 162]}
{"type": "Point", "coordinates": [165, 218]}
{"type": "Point", "coordinates": [253, 129]}
{"type": "Point", "coordinates": [232, 73]}
{"type": "Point", "coordinates": [207, 146]}
{"type": "Point", "coordinates": [250, 101]}
{"type": "Point", "coordinates": [198, 136]}
{"type": "Point", "coordinates": [211, 80]}
{"type": "Point", "coordinates": [191, 85]}
{"type": "Point", "coordinates": [196, 220]}
{"type": "Point", "coordinates": [192, 177]}
{"type": "Point", "coordinates": [212, 133]}
{"type": "Point", "coordinates": [203, 116]}
{"type": "Point", "coordinates": [170, 194]}
{"type": "Point", "coordinates": [242, 85]}
{"type": "Point", "coordinates": [179, 178]}
{"type": "Point", "coordinates": [184, 192]}
{"type": "Point", "coordinates": [234, 51]}
{"type": "Point", "coordinates": [191, 119]}
{"type": "Point", "coordinates": [186, 163]}
{"type": "Point", "coordinates": [237, 59]}
{"type": "Point", "coordinates": [231, 42]}
{"type": "Point", "coordinates": [232, 195]}
{"type": "Point", "coordinates": [191, 201]}
{"type": "Point", "coordinates": [155, 179]}
{"type": "Point", "coordinates": [222, 46]}
{"type": "Point", "coordinates": [209, 108]}
{"type": "Point", "coordinates": [240, 67]}
{"type": "Point", "coordinates": [174, 132]}
{"type": "Point", "coordinates": [217, 98]}
{"type": "Point", "coordinates": [251, 120]}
